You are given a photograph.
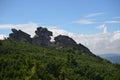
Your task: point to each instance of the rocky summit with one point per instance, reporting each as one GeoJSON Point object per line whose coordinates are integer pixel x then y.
{"type": "Point", "coordinates": [42, 38]}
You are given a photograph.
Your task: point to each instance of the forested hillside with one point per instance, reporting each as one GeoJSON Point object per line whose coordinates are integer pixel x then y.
{"type": "Point", "coordinates": [23, 61]}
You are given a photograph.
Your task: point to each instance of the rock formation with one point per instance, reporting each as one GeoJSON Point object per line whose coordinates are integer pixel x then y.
{"type": "Point", "coordinates": [42, 37]}
{"type": "Point", "coordinates": [65, 41]}
{"type": "Point", "coordinates": [83, 48]}
{"type": "Point", "coordinates": [20, 36]}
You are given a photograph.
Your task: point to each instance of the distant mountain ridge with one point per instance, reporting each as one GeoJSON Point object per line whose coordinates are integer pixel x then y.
{"type": "Point", "coordinates": [114, 58]}
{"type": "Point", "coordinates": [37, 58]}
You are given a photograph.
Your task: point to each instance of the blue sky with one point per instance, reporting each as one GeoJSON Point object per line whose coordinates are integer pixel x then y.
{"type": "Point", "coordinates": [64, 14]}
{"type": "Point", "coordinates": [94, 23]}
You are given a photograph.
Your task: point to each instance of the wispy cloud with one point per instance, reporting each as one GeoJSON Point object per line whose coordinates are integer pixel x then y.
{"type": "Point", "coordinates": [94, 14]}
{"type": "Point", "coordinates": [112, 22]}
{"type": "Point", "coordinates": [85, 21]}
{"type": "Point", "coordinates": [103, 26]}
{"type": "Point", "coordinates": [28, 27]}
{"type": "Point", "coordinates": [117, 17]}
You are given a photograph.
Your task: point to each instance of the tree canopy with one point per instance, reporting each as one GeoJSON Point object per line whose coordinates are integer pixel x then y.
{"type": "Point", "coordinates": [23, 61]}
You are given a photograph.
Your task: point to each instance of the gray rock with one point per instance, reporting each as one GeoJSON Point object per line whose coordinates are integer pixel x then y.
{"type": "Point", "coordinates": [64, 41]}
{"type": "Point", "coordinates": [83, 48]}
{"type": "Point", "coordinates": [20, 36]}
{"type": "Point", "coordinates": [42, 37]}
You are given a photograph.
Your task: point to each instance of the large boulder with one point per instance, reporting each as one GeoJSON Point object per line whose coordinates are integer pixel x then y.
{"type": "Point", "coordinates": [42, 37]}
{"type": "Point", "coordinates": [64, 41]}
{"type": "Point", "coordinates": [20, 35]}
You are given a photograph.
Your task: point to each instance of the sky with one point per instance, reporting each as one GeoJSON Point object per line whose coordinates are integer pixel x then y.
{"type": "Point", "coordinates": [94, 23]}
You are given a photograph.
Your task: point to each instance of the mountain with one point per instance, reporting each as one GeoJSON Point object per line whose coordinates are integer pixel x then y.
{"type": "Point", "coordinates": [25, 58]}
{"type": "Point", "coordinates": [114, 58]}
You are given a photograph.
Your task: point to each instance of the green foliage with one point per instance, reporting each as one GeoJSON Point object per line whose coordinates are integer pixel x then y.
{"type": "Point", "coordinates": [22, 61]}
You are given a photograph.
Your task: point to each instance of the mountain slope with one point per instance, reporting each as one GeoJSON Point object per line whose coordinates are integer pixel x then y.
{"type": "Point", "coordinates": [23, 61]}
{"type": "Point", "coordinates": [114, 58]}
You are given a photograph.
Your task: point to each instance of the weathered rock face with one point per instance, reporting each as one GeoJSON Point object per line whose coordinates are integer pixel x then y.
{"type": "Point", "coordinates": [20, 35]}
{"type": "Point", "coordinates": [64, 41]}
{"type": "Point", "coordinates": [42, 37]}
{"type": "Point", "coordinates": [83, 48]}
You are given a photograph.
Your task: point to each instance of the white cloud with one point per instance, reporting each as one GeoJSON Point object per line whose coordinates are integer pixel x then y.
{"type": "Point", "coordinates": [112, 22]}
{"type": "Point", "coordinates": [116, 36]}
{"type": "Point", "coordinates": [117, 17]}
{"type": "Point", "coordinates": [85, 21]}
{"type": "Point", "coordinates": [103, 27]}
{"type": "Point", "coordinates": [28, 28]}
{"type": "Point", "coordinates": [57, 32]}
{"type": "Point", "coordinates": [94, 14]}
{"type": "Point", "coordinates": [2, 36]}
{"type": "Point", "coordinates": [6, 26]}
